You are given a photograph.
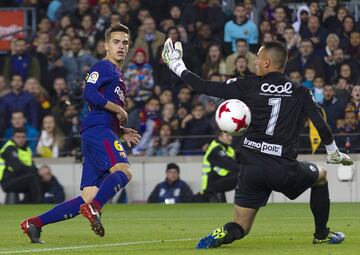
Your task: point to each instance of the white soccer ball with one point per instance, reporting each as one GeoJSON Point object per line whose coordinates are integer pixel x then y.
{"type": "Point", "coordinates": [233, 117]}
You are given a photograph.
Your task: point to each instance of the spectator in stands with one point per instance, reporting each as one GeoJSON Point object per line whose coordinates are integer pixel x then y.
{"type": "Point", "coordinates": [332, 43]}
{"type": "Point", "coordinates": [34, 88]}
{"type": "Point", "coordinates": [175, 14]}
{"type": "Point", "coordinates": [77, 63]}
{"type": "Point", "coordinates": [354, 104]}
{"type": "Point", "coordinates": [195, 124]}
{"type": "Point", "coordinates": [348, 25]}
{"type": "Point", "coordinates": [318, 90]}
{"type": "Point", "coordinates": [265, 26]}
{"type": "Point", "coordinates": [70, 126]}
{"type": "Point", "coordinates": [279, 15]}
{"type": "Point", "coordinates": [164, 144]}
{"type": "Point", "coordinates": [65, 21]}
{"type": "Point", "coordinates": [53, 11]}
{"type": "Point", "coordinates": [18, 99]}
{"type": "Point", "coordinates": [314, 8]}
{"type": "Point", "coordinates": [240, 27]}
{"type": "Point", "coordinates": [295, 76]}
{"type": "Point", "coordinates": [166, 96]}
{"type": "Point", "coordinates": [353, 48]}
{"type": "Point", "coordinates": [348, 73]}
{"type": "Point", "coordinates": [4, 88]}
{"type": "Point", "coordinates": [139, 79]}
{"type": "Point", "coordinates": [103, 17]}
{"type": "Point", "coordinates": [51, 140]}
{"type": "Point", "coordinates": [202, 41]}
{"type": "Point", "coordinates": [19, 173]}
{"type": "Point", "coordinates": [83, 8]}
{"type": "Point", "coordinates": [251, 11]}
{"type": "Point", "coordinates": [123, 10]}
{"type": "Point", "coordinates": [267, 37]}
{"type": "Point", "coordinates": [315, 33]}
{"type": "Point", "coordinates": [148, 124]}
{"type": "Point", "coordinates": [330, 9]}
{"type": "Point", "coordinates": [241, 67]}
{"type": "Point", "coordinates": [332, 106]}
{"type": "Point", "coordinates": [87, 32]}
{"type": "Point", "coordinates": [172, 190]}
{"type": "Point", "coordinates": [168, 116]}
{"type": "Point", "coordinates": [184, 96]}
{"type": "Point", "coordinates": [214, 62]}
{"type": "Point", "coordinates": [52, 190]}
{"type": "Point", "coordinates": [100, 51]}
{"type": "Point", "coordinates": [343, 91]}
{"type": "Point", "coordinates": [242, 49]}
{"type": "Point", "coordinates": [21, 62]}
{"type": "Point", "coordinates": [347, 139]}
{"type": "Point", "coordinates": [150, 40]}
{"type": "Point", "coordinates": [65, 45]}
{"type": "Point", "coordinates": [203, 12]}
{"type": "Point", "coordinates": [292, 40]}
{"type": "Point", "coordinates": [333, 23]}
{"type": "Point", "coordinates": [306, 58]}
{"type": "Point", "coordinates": [309, 76]}
{"type": "Point", "coordinates": [268, 12]}
{"type": "Point", "coordinates": [18, 121]}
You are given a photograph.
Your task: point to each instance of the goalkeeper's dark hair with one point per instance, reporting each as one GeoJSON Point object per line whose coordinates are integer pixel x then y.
{"type": "Point", "coordinates": [278, 51]}
{"type": "Point", "coordinates": [115, 27]}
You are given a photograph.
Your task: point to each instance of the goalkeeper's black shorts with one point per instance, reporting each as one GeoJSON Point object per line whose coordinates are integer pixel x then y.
{"type": "Point", "coordinates": [260, 174]}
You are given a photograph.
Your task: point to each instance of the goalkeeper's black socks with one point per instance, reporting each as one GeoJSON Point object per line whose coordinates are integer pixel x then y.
{"type": "Point", "coordinates": [234, 232]}
{"type": "Point", "coordinates": [320, 207]}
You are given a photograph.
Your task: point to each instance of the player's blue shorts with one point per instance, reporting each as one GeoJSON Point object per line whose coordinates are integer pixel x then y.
{"type": "Point", "coordinates": [101, 149]}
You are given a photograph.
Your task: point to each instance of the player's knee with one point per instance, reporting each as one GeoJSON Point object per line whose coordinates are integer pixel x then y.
{"type": "Point", "coordinates": [123, 168]}
{"type": "Point", "coordinates": [322, 179]}
{"type": "Point", "coordinates": [89, 193]}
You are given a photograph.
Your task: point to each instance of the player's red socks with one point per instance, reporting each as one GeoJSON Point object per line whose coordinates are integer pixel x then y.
{"type": "Point", "coordinates": [36, 221]}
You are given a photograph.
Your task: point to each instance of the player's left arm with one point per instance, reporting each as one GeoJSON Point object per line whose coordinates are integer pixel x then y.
{"type": "Point", "coordinates": [312, 110]}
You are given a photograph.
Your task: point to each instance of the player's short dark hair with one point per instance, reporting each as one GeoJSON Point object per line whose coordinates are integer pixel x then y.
{"type": "Point", "coordinates": [116, 27]}
{"type": "Point", "coordinates": [280, 52]}
{"type": "Point", "coordinates": [19, 130]}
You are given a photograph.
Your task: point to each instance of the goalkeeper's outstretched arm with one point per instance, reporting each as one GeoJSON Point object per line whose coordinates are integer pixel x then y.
{"type": "Point", "coordinates": [211, 88]}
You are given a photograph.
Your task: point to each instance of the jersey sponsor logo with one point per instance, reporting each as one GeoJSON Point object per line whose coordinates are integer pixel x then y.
{"type": "Point", "coordinates": [268, 148]}
{"type": "Point", "coordinates": [277, 89]}
{"type": "Point", "coordinates": [120, 93]}
{"type": "Point", "coordinates": [273, 149]}
{"type": "Point", "coordinates": [93, 77]}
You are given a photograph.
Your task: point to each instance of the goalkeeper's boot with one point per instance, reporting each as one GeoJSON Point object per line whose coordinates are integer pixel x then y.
{"type": "Point", "coordinates": [32, 231]}
{"type": "Point", "coordinates": [90, 213]}
{"type": "Point", "coordinates": [331, 238]}
{"type": "Point", "coordinates": [214, 240]}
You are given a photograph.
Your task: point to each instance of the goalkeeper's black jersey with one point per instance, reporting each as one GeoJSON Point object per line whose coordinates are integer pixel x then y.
{"type": "Point", "coordinates": [278, 109]}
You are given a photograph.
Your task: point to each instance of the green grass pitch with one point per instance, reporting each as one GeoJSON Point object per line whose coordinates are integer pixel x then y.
{"type": "Point", "coordinates": [174, 229]}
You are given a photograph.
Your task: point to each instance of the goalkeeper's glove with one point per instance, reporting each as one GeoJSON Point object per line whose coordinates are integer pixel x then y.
{"type": "Point", "coordinates": [336, 157]}
{"type": "Point", "coordinates": [172, 56]}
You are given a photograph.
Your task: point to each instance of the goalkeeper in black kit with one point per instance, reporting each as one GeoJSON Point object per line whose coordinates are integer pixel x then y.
{"type": "Point", "coordinates": [268, 150]}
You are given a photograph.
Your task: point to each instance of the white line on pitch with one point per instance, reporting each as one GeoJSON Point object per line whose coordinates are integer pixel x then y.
{"type": "Point", "coordinates": [95, 246]}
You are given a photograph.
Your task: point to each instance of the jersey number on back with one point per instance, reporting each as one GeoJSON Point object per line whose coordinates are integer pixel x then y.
{"type": "Point", "coordinates": [275, 103]}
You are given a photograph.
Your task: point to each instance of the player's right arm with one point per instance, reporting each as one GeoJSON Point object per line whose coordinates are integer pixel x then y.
{"type": "Point", "coordinates": [94, 82]}
{"type": "Point", "coordinates": [225, 90]}
{"type": "Point", "coordinates": [172, 56]}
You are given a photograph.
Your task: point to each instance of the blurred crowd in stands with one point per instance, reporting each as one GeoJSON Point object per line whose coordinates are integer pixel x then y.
{"type": "Point", "coordinates": [41, 77]}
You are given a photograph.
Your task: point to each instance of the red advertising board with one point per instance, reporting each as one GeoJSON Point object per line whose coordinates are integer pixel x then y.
{"type": "Point", "coordinates": [10, 22]}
